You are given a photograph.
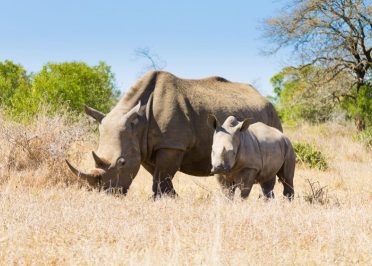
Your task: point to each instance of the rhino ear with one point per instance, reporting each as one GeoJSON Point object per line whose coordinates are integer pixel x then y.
{"type": "Point", "coordinates": [243, 126]}
{"type": "Point", "coordinates": [212, 121]}
{"type": "Point", "coordinates": [97, 115]}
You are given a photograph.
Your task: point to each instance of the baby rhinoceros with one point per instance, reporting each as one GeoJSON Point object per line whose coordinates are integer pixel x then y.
{"type": "Point", "coordinates": [244, 154]}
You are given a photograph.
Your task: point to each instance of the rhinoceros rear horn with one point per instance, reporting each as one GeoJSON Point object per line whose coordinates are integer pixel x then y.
{"type": "Point", "coordinates": [99, 161]}
{"type": "Point", "coordinates": [134, 113]}
{"type": "Point", "coordinates": [89, 178]}
{"type": "Point", "coordinates": [97, 115]}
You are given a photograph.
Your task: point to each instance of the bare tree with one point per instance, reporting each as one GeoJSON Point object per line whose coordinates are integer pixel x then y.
{"type": "Point", "coordinates": [335, 34]}
{"type": "Point", "coordinates": [154, 61]}
{"type": "Point", "coordinates": [332, 34]}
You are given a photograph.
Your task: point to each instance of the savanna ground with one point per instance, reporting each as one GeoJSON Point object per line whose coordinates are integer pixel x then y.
{"type": "Point", "coordinates": [49, 217]}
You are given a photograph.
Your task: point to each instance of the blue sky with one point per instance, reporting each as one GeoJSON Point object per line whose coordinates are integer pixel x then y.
{"type": "Point", "coordinates": [195, 38]}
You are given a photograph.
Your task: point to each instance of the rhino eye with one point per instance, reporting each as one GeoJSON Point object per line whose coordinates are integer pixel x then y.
{"type": "Point", "coordinates": [120, 162]}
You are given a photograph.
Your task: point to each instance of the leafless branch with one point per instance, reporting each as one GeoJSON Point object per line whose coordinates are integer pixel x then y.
{"type": "Point", "coordinates": [154, 61]}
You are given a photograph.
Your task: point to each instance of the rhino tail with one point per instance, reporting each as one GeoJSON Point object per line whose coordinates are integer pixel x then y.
{"type": "Point", "coordinates": [274, 117]}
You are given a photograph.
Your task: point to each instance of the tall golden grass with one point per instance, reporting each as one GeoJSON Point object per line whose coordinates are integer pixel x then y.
{"type": "Point", "coordinates": [47, 216]}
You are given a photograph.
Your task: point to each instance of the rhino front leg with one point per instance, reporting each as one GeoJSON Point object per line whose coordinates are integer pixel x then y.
{"type": "Point", "coordinates": [167, 163]}
{"type": "Point", "coordinates": [246, 180]}
{"type": "Point", "coordinates": [228, 186]}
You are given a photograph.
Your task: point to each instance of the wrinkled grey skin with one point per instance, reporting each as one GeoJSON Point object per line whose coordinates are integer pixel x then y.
{"type": "Point", "coordinates": [251, 153]}
{"type": "Point", "coordinates": [160, 124]}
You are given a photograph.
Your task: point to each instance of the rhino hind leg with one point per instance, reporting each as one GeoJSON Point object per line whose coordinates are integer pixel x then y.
{"type": "Point", "coordinates": [286, 174]}
{"type": "Point", "coordinates": [268, 188]}
{"type": "Point", "coordinates": [167, 163]}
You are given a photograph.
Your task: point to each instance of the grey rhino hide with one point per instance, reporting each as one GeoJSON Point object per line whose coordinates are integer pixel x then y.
{"type": "Point", "coordinates": [252, 153]}
{"type": "Point", "coordinates": [168, 130]}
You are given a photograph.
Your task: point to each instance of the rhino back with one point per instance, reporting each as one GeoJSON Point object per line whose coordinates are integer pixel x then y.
{"type": "Point", "coordinates": [178, 101]}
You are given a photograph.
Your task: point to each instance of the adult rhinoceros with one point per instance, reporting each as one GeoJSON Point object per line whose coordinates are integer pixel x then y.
{"type": "Point", "coordinates": [160, 123]}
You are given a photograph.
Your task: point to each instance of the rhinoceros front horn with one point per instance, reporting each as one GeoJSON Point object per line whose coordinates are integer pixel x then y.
{"type": "Point", "coordinates": [89, 178]}
{"type": "Point", "coordinates": [97, 115]}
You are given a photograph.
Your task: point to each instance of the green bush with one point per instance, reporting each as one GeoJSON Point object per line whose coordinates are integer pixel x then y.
{"type": "Point", "coordinates": [359, 105]}
{"type": "Point", "coordinates": [296, 99]}
{"type": "Point", "coordinates": [59, 86]}
{"type": "Point", "coordinates": [308, 155]}
{"type": "Point", "coordinates": [313, 95]}
{"type": "Point", "coordinates": [13, 78]}
{"type": "Point", "coordinates": [364, 137]}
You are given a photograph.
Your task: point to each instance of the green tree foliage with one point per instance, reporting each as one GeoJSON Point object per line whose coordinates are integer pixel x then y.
{"type": "Point", "coordinates": [359, 105]}
{"type": "Point", "coordinates": [13, 78]}
{"type": "Point", "coordinates": [302, 94]}
{"type": "Point", "coordinates": [298, 98]}
{"type": "Point", "coordinates": [65, 85]}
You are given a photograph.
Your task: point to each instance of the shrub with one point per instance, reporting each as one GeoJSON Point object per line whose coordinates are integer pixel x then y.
{"type": "Point", "coordinates": [35, 153]}
{"type": "Point", "coordinates": [313, 94]}
{"type": "Point", "coordinates": [298, 98]}
{"type": "Point", "coordinates": [359, 106]}
{"type": "Point", "coordinates": [60, 86]}
{"type": "Point", "coordinates": [308, 155]}
{"type": "Point", "coordinates": [13, 78]}
{"type": "Point", "coordinates": [364, 137]}
{"type": "Point", "coordinates": [316, 194]}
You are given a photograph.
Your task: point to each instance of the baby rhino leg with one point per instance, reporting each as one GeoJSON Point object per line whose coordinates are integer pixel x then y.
{"type": "Point", "coordinates": [228, 186]}
{"type": "Point", "coordinates": [286, 174]}
{"type": "Point", "coordinates": [268, 188]}
{"type": "Point", "coordinates": [246, 179]}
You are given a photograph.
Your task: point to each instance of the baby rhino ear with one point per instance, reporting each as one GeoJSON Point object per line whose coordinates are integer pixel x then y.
{"type": "Point", "coordinates": [243, 126]}
{"type": "Point", "coordinates": [212, 121]}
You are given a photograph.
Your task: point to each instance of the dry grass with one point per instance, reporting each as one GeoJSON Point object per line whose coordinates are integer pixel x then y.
{"type": "Point", "coordinates": [46, 218]}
